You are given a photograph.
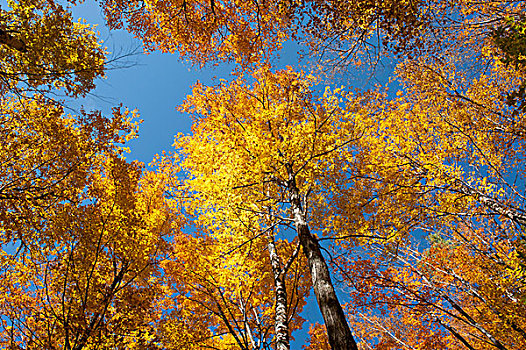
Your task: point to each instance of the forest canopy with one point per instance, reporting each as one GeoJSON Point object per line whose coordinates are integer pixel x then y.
{"type": "Point", "coordinates": [400, 208]}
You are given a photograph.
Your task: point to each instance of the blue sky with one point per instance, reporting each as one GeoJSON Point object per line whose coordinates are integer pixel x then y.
{"type": "Point", "coordinates": [154, 83]}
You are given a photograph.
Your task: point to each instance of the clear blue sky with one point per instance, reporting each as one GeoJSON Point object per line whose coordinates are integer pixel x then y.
{"type": "Point", "coordinates": [154, 83]}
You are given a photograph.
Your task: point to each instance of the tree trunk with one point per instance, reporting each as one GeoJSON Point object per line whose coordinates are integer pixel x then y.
{"type": "Point", "coordinates": [281, 321]}
{"type": "Point", "coordinates": [339, 333]}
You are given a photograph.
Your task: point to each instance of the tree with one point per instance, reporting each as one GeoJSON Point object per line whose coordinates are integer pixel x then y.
{"type": "Point", "coordinates": [202, 32]}
{"type": "Point", "coordinates": [449, 113]}
{"type": "Point", "coordinates": [219, 277]}
{"type": "Point", "coordinates": [71, 208]}
{"type": "Point", "coordinates": [251, 32]}
{"type": "Point", "coordinates": [92, 279]}
{"type": "Point", "coordinates": [458, 293]}
{"type": "Point", "coordinates": [342, 33]}
{"type": "Point", "coordinates": [456, 138]}
{"type": "Point", "coordinates": [273, 167]}
{"type": "Point", "coordinates": [46, 153]}
{"type": "Point", "coordinates": [221, 292]}
{"type": "Point", "coordinates": [273, 151]}
{"type": "Point", "coordinates": [42, 49]}
{"type": "Point", "coordinates": [47, 158]}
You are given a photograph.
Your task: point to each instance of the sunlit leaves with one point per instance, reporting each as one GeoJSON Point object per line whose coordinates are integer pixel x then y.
{"type": "Point", "coordinates": [94, 281]}
{"type": "Point", "coordinates": [59, 53]}
{"type": "Point", "coordinates": [205, 31]}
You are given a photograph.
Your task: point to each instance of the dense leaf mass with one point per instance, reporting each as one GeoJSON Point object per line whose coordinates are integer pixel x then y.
{"type": "Point", "coordinates": [403, 211]}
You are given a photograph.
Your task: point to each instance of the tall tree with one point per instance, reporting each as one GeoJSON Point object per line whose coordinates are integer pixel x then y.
{"type": "Point", "coordinates": [71, 208]}
{"type": "Point", "coordinates": [205, 31]}
{"type": "Point", "coordinates": [220, 275]}
{"type": "Point", "coordinates": [45, 152]}
{"type": "Point", "coordinates": [442, 156]}
{"type": "Point", "coordinates": [92, 279]}
{"type": "Point", "coordinates": [462, 146]}
{"type": "Point", "coordinates": [342, 33]}
{"type": "Point", "coordinates": [276, 145]}
{"type": "Point", "coordinates": [222, 292]}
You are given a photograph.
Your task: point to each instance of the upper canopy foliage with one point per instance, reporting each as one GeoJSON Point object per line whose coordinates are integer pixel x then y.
{"type": "Point", "coordinates": [282, 187]}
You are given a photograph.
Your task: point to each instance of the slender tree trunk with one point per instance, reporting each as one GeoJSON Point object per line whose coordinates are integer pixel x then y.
{"type": "Point", "coordinates": [281, 321]}
{"type": "Point", "coordinates": [339, 333]}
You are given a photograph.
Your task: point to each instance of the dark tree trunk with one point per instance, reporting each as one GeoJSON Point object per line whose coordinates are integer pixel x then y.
{"type": "Point", "coordinates": [339, 333]}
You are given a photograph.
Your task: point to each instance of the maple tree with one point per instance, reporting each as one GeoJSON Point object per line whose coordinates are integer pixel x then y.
{"type": "Point", "coordinates": [46, 153]}
{"type": "Point", "coordinates": [343, 32]}
{"type": "Point", "coordinates": [81, 229]}
{"type": "Point", "coordinates": [452, 132]}
{"type": "Point", "coordinates": [89, 276]}
{"type": "Point", "coordinates": [204, 31]}
{"type": "Point", "coordinates": [412, 163]}
{"type": "Point", "coordinates": [221, 290]}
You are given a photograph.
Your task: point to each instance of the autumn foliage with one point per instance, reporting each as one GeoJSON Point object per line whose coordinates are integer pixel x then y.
{"type": "Point", "coordinates": [399, 208]}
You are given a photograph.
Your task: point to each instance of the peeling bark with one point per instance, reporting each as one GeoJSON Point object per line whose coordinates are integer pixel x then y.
{"type": "Point", "coordinates": [281, 320]}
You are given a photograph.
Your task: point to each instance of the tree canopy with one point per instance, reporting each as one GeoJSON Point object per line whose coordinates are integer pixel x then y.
{"type": "Point", "coordinates": [401, 207]}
